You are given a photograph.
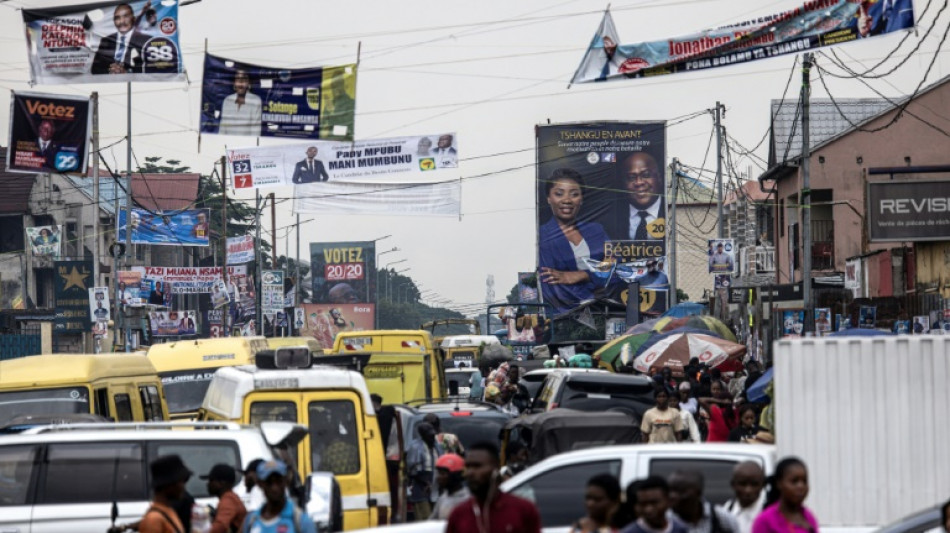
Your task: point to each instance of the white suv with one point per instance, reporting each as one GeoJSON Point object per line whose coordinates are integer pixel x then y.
{"type": "Point", "coordinates": [59, 478]}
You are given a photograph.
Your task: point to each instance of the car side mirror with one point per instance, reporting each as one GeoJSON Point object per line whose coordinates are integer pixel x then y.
{"type": "Point", "coordinates": [324, 503]}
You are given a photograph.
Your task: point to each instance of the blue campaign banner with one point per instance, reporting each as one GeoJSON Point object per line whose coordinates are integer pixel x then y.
{"type": "Point", "coordinates": [181, 228]}
{"type": "Point", "coordinates": [104, 42]}
{"type": "Point", "coordinates": [814, 24]}
{"type": "Point", "coordinates": [310, 103]}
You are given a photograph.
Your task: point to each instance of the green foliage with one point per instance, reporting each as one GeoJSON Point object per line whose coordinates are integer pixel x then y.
{"type": "Point", "coordinates": [681, 295]}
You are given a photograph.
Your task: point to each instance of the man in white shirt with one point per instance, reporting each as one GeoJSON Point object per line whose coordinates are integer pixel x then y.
{"type": "Point", "coordinates": [120, 52]}
{"type": "Point", "coordinates": [241, 111]}
{"type": "Point", "coordinates": [643, 181]}
{"type": "Point", "coordinates": [748, 480]}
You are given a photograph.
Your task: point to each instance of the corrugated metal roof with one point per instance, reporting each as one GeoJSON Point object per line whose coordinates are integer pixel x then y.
{"type": "Point", "coordinates": [165, 192]}
{"type": "Point", "coordinates": [15, 189]}
{"type": "Point", "coordinates": [107, 190]}
{"type": "Point", "coordinates": [826, 121]}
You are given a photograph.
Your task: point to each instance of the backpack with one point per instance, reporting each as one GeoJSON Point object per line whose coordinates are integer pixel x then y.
{"type": "Point", "coordinates": [254, 515]}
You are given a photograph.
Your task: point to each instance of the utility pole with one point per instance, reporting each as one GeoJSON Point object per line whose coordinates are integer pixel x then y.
{"type": "Point", "coordinates": [128, 203]}
{"type": "Point", "coordinates": [224, 217]}
{"type": "Point", "coordinates": [719, 107]}
{"type": "Point", "coordinates": [674, 167]}
{"type": "Point", "coordinates": [273, 231]}
{"type": "Point", "coordinates": [806, 193]}
{"type": "Point", "coordinates": [257, 283]}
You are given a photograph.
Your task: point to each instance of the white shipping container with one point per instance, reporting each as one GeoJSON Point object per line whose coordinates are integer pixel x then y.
{"type": "Point", "coordinates": [870, 416]}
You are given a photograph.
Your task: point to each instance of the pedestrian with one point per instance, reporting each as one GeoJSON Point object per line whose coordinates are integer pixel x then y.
{"type": "Point", "coordinates": [516, 459]}
{"type": "Point", "coordinates": [489, 509]}
{"type": "Point", "coordinates": [662, 423]}
{"type": "Point", "coordinates": [169, 475]}
{"type": "Point", "coordinates": [748, 480]}
{"type": "Point", "coordinates": [748, 426]}
{"type": "Point", "coordinates": [279, 514]}
{"type": "Point", "coordinates": [520, 398]}
{"type": "Point", "coordinates": [420, 463]}
{"type": "Point", "coordinates": [785, 511]}
{"type": "Point", "coordinates": [651, 497]}
{"type": "Point", "coordinates": [252, 496]}
{"type": "Point", "coordinates": [722, 416]}
{"type": "Point", "coordinates": [476, 383]}
{"type": "Point", "coordinates": [230, 512]}
{"type": "Point", "coordinates": [686, 400]}
{"type": "Point", "coordinates": [452, 489]}
{"type": "Point", "coordinates": [694, 511]}
{"type": "Point", "coordinates": [602, 500]}
{"type": "Point", "coordinates": [449, 441]}
{"type": "Point", "coordinates": [668, 380]}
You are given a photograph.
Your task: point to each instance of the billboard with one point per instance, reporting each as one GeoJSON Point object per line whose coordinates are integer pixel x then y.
{"type": "Point", "coordinates": [324, 321]}
{"type": "Point", "coordinates": [72, 280]}
{"type": "Point", "coordinates": [244, 99]}
{"type": "Point", "coordinates": [344, 273]}
{"type": "Point", "coordinates": [172, 323]}
{"type": "Point", "coordinates": [189, 280]}
{"type": "Point", "coordinates": [722, 256]}
{"type": "Point", "coordinates": [45, 240]}
{"type": "Point", "coordinates": [812, 25]}
{"type": "Point", "coordinates": [909, 211]}
{"type": "Point", "coordinates": [48, 133]}
{"type": "Point", "coordinates": [180, 228]}
{"type": "Point", "coordinates": [601, 196]}
{"type": "Point", "coordinates": [104, 42]}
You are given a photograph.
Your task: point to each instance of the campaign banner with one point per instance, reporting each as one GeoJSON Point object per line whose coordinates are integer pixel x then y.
{"type": "Point", "coordinates": [528, 292]}
{"type": "Point", "coordinates": [191, 280]}
{"type": "Point", "coordinates": [215, 320]}
{"type": "Point", "coordinates": [72, 282]}
{"type": "Point", "coordinates": [921, 324]}
{"type": "Point", "coordinates": [722, 256]}
{"type": "Point", "coordinates": [172, 323]}
{"type": "Point", "coordinates": [272, 292]}
{"type": "Point", "coordinates": [324, 321]}
{"type": "Point", "coordinates": [814, 24]}
{"type": "Point", "coordinates": [130, 288]}
{"type": "Point", "coordinates": [867, 316]}
{"type": "Point", "coordinates": [99, 304]}
{"type": "Point", "coordinates": [104, 42]}
{"type": "Point", "coordinates": [605, 183]}
{"type": "Point", "coordinates": [180, 228]}
{"type": "Point", "coordinates": [343, 272]}
{"type": "Point", "coordinates": [318, 164]}
{"type": "Point", "coordinates": [48, 133]}
{"type": "Point", "coordinates": [822, 321]}
{"type": "Point", "coordinates": [241, 250]}
{"type": "Point", "coordinates": [416, 199]}
{"type": "Point", "coordinates": [244, 99]}
{"type": "Point", "coordinates": [793, 322]}
{"type": "Point", "coordinates": [45, 240]}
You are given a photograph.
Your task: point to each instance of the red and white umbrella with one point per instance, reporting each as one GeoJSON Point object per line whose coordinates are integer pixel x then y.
{"type": "Point", "coordinates": [675, 352]}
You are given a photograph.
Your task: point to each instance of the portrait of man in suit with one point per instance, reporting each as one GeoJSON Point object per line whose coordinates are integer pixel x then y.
{"type": "Point", "coordinates": [445, 155]}
{"type": "Point", "coordinates": [45, 146]}
{"type": "Point", "coordinates": [640, 176]}
{"type": "Point", "coordinates": [310, 169]}
{"type": "Point", "coordinates": [120, 52]}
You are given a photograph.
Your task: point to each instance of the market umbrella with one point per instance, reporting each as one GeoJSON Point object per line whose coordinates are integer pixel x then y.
{"type": "Point", "coordinates": [675, 352]}
{"type": "Point", "coordinates": [756, 392]}
{"type": "Point", "coordinates": [696, 321]}
{"type": "Point", "coordinates": [684, 309]}
{"type": "Point", "coordinates": [643, 327]}
{"type": "Point", "coordinates": [610, 353]}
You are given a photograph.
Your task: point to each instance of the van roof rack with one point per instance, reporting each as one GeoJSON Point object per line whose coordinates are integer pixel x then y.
{"type": "Point", "coordinates": [137, 426]}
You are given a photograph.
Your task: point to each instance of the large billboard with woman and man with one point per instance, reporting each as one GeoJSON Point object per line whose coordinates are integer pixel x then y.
{"type": "Point", "coordinates": [602, 212]}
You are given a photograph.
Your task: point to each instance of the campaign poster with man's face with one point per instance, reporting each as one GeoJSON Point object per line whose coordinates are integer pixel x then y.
{"type": "Point", "coordinates": [722, 256]}
{"type": "Point", "coordinates": [99, 308]}
{"type": "Point", "coordinates": [48, 133]}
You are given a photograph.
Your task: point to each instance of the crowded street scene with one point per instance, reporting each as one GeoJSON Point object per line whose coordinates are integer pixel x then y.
{"type": "Point", "coordinates": [485, 267]}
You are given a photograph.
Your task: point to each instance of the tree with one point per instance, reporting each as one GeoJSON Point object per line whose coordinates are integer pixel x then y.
{"type": "Point", "coordinates": [681, 295]}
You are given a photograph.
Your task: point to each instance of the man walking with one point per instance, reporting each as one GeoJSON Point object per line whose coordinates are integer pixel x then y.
{"type": "Point", "coordinates": [230, 512]}
{"type": "Point", "coordinates": [452, 489]}
{"type": "Point", "coordinates": [278, 514]}
{"type": "Point", "coordinates": [652, 502]}
{"type": "Point", "coordinates": [662, 423]}
{"type": "Point", "coordinates": [689, 506]}
{"type": "Point", "coordinates": [748, 480]}
{"type": "Point", "coordinates": [169, 475]}
{"type": "Point", "coordinates": [423, 454]}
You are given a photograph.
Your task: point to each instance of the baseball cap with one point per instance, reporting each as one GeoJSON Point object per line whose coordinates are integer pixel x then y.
{"type": "Point", "coordinates": [451, 462]}
{"type": "Point", "coordinates": [221, 472]}
{"type": "Point", "coordinates": [265, 469]}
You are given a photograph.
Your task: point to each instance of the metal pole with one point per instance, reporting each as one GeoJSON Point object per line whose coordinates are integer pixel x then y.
{"type": "Point", "coordinates": [806, 194]}
{"type": "Point", "coordinates": [128, 201]}
{"type": "Point", "coordinates": [257, 283]}
{"type": "Point", "coordinates": [672, 225]}
{"type": "Point", "coordinates": [722, 233]}
{"type": "Point", "coordinates": [95, 187]}
{"type": "Point", "coordinates": [296, 273]}
{"type": "Point", "coordinates": [224, 217]}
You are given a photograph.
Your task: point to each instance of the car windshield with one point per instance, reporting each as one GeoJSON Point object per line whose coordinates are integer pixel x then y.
{"type": "Point", "coordinates": [462, 378]}
{"type": "Point", "coordinates": [185, 389]}
{"type": "Point", "coordinates": [469, 429]}
{"type": "Point", "coordinates": [67, 400]}
{"type": "Point", "coordinates": [633, 398]}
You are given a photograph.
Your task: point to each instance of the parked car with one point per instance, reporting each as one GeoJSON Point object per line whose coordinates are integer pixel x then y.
{"type": "Point", "coordinates": [595, 390]}
{"type": "Point", "coordinates": [532, 380]}
{"type": "Point", "coordinates": [471, 421]}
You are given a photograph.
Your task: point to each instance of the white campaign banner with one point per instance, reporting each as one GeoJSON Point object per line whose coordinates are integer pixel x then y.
{"type": "Point", "coordinates": [440, 199]}
{"type": "Point", "coordinates": [190, 280]}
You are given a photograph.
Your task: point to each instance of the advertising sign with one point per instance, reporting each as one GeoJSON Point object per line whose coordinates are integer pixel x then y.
{"type": "Point", "coordinates": [812, 25]}
{"type": "Point", "coordinates": [793, 322]}
{"type": "Point", "coordinates": [104, 42]}
{"type": "Point", "coordinates": [240, 249]}
{"type": "Point", "coordinates": [324, 321]}
{"type": "Point", "coordinates": [180, 228]}
{"type": "Point", "coordinates": [72, 280]}
{"type": "Point", "coordinates": [192, 280]}
{"type": "Point", "coordinates": [722, 256]}
{"type": "Point", "coordinates": [867, 316]}
{"type": "Point", "coordinates": [921, 324]}
{"type": "Point", "coordinates": [605, 180]}
{"type": "Point", "coordinates": [172, 323]}
{"type": "Point", "coordinates": [272, 292]}
{"type": "Point", "coordinates": [48, 133]}
{"type": "Point", "coordinates": [243, 99]}
{"type": "Point", "coordinates": [722, 281]}
{"type": "Point", "coordinates": [822, 321]}
{"type": "Point", "coordinates": [909, 211]}
{"type": "Point", "coordinates": [45, 240]}
{"type": "Point", "coordinates": [99, 304]}
{"type": "Point", "coordinates": [852, 274]}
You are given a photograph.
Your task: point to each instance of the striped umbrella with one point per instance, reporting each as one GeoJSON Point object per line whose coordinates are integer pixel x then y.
{"type": "Point", "coordinates": [675, 352]}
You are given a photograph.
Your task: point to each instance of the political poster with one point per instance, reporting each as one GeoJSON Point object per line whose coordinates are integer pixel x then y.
{"type": "Point", "coordinates": [793, 322]}
{"type": "Point", "coordinates": [272, 292]}
{"type": "Point", "coordinates": [48, 133]}
{"type": "Point", "coordinates": [99, 304]}
{"type": "Point", "coordinates": [842, 322]}
{"type": "Point", "coordinates": [219, 294]}
{"type": "Point", "coordinates": [172, 323]}
{"type": "Point", "coordinates": [722, 281]}
{"type": "Point", "coordinates": [190, 280]}
{"type": "Point", "coordinates": [601, 195]}
{"type": "Point", "coordinates": [324, 321]}
{"type": "Point", "coordinates": [902, 327]}
{"type": "Point", "coordinates": [130, 288]}
{"type": "Point", "coordinates": [104, 42]}
{"type": "Point", "coordinates": [867, 316]}
{"type": "Point", "coordinates": [299, 318]}
{"type": "Point", "coordinates": [244, 99]}
{"type": "Point", "coordinates": [528, 292]}
{"type": "Point", "coordinates": [822, 321]}
{"type": "Point", "coordinates": [241, 249]}
{"type": "Point", "coordinates": [215, 320]}
{"type": "Point", "coordinates": [72, 282]}
{"type": "Point", "coordinates": [179, 228]}
{"type": "Point", "coordinates": [45, 241]}
{"type": "Point", "coordinates": [343, 272]}
{"type": "Point", "coordinates": [814, 24]}
{"type": "Point", "coordinates": [921, 324]}
{"type": "Point", "coordinates": [722, 256]}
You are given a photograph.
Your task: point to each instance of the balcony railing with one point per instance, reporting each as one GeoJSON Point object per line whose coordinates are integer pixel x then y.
{"type": "Point", "coordinates": [758, 260]}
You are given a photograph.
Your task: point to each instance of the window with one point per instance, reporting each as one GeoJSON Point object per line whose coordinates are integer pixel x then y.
{"type": "Point", "coordinates": [559, 493]}
{"type": "Point", "coordinates": [71, 242]}
{"type": "Point", "coordinates": [123, 408]}
{"type": "Point", "coordinates": [279, 411]}
{"type": "Point", "coordinates": [717, 474]}
{"type": "Point", "coordinates": [334, 443]}
{"type": "Point", "coordinates": [546, 394]}
{"type": "Point", "coordinates": [67, 400]}
{"type": "Point", "coordinates": [106, 470]}
{"type": "Point", "coordinates": [151, 403]}
{"type": "Point", "coordinates": [102, 402]}
{"type": "Point", "coordinates": [16, 471]}
{"type": "Point", "coordinates": [199, 457]}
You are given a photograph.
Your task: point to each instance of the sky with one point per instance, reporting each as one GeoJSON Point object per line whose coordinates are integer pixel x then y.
{"type": "Point", "coordinates": [490, 71]}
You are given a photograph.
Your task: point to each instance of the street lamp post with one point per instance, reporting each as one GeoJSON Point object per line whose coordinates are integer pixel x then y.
{"type": "Point", "coordinates": [376, 266]}
{"type": "Point", "coordinates": [389, 280]}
